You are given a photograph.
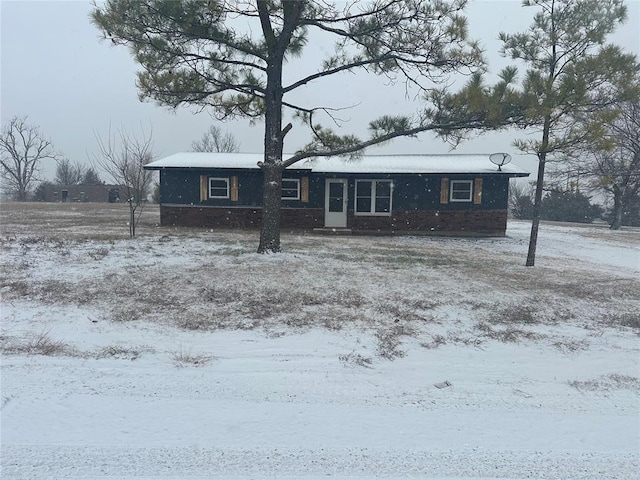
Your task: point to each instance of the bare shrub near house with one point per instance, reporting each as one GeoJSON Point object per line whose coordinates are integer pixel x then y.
{"type": "Point", "coordinates": [123, 157]}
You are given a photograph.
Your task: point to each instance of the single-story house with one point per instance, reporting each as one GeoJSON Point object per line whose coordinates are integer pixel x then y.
{"type": "Point", "coordinates": [432, 194]}
{"type": "Point", "coordinates": [84, 193]}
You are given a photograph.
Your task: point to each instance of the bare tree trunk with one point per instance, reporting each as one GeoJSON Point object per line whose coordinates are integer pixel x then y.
{"type": "Point", "coordinates": [132, 219]}
{"type": "Point", "coordinates": [537, 204]}
{"type": "Point", "coordinates": [616, 223]}
{"type": "Point", "coordinates": [537, 208]}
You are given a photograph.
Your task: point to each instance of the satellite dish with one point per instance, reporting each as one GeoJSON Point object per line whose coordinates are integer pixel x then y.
{"type": "Point", "coordinates": [500, 159]}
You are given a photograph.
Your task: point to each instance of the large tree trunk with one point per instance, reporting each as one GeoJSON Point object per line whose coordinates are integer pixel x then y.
{"type": "Point", "coordinates": [272, 165]}
{"type": "Point", "coordinates": [617, 208]}
{"type": "Point", "coordinates": [270, 230]}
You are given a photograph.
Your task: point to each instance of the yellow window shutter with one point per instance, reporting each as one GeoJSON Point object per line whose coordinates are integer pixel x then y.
{"type": "Point", "coordinates": [234, 189]}
{"type": "Point", "coordinates": [477, 191]}
{"type": "Point", "coordinates": [444, 190]}
{"type": "Point", "coordinates": [204, 188]}
{"type": "Point", "coordinates": [304, 189]}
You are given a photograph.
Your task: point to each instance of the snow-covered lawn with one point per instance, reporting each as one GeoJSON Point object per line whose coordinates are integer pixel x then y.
{"type": "Point", "coordinates": [183, 354]}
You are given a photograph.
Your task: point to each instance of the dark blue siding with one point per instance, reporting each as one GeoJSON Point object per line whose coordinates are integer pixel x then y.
{"type": "Point", "coordinates": [411, 192]}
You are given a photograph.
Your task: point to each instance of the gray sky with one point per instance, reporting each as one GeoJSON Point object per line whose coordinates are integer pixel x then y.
{"type": "Point", "coordinates": [56, 70]}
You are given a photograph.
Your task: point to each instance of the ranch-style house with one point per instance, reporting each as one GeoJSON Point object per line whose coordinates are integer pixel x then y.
{"type": "Point", "coordinates": [417, 194]}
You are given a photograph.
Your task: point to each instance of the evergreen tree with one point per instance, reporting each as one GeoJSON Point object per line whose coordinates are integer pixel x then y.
{"type": "Point", "coordinates": [569, 70]}
{"type": "Point", "coordinates": [91, 177]}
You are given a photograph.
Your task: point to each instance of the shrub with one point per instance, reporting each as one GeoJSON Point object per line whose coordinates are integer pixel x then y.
{"type": "Point", "coordinates": [520, 202]}
{"type": "Point", "coordinates": [569, 207]}
{"type": "Point", "coordinates": [183, 358]}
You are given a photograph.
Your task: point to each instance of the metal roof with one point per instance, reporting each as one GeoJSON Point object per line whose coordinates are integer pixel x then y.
{"type": "Point", "coordinates": [447, 164]}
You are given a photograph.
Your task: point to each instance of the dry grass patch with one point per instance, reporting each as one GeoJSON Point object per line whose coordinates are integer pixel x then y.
{"type": "Point", "coordinates": [125, 314]}
{"type": "Point", "coordinates": [14, 288]}
{"type": "Point", "coordinates": [406, 259]}
{"type": "Point", "coordinates": [568, 345]}
{"type": "Point", "coordinates": [52, 291]}
{"type": "Point", "coordinates": [525, 314]}
{"type": "Point", "coordinates": [436, 341]}
{"type": "Point", "coordinates": [389, 340]}
{"type": "Point", "coordinates": [39, 344]}
{"type": "Point", "coordinates": [469, 341]}
{"type": "Point", "coordinates": [120, 352]}
{"type": "Point", "coordinates": [31, 240]}
{"type": "Point", "coordinates": [354, 359]}
{"type": "Point", "coordinates": [510, 334]}
{"type": "Point", "coordinates": [612, 381]}
{"type": "Point", "coordinates": [407, 310]}
{"type": "Point", "coordinates": [623, 319]}
{"type": "Point", "coordinates": [292, 305]}
{"type": "Point", "coordinates": [99, 253]}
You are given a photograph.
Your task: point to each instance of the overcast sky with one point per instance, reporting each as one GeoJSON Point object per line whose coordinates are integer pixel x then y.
{"type": "Point", "coordinates": [56, 70]}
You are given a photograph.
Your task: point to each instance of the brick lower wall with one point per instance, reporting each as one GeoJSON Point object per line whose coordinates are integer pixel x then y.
{"type": "Point", "coordinates": [454, 222]}
{"type": "Point", "coordinates": [237, 217]}
{"type": "Point", "coordinates": [464, 222]}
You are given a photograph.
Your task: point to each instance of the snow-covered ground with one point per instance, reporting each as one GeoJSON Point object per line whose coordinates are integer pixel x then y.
{"type": "Point", "coordinates": [186, 355]}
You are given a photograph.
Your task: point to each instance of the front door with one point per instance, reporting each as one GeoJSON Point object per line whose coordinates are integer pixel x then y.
{"type": "Point", "coordinates": [335, 203]}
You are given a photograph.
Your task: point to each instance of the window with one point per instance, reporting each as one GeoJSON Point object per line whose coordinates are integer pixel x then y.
{"type": "Point", "coordinates": [461, 191]}
{"type": "Point", "coordinates": [218, 187]}
{"type": "Point", "coordinates": [373, 197]}
{"type": "Point", "coordinates": [290, 189]}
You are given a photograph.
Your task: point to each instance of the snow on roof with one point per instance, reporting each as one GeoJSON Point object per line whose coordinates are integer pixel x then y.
{"type": "Point", "coordinates": [455, 163]}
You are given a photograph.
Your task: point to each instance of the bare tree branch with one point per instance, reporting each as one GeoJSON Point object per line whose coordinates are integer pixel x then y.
{"type": "Point", "coordinates": [215, 140]}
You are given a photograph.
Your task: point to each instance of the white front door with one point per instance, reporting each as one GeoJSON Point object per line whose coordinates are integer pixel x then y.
{"type": "Point", "coordinates": [335, 203]}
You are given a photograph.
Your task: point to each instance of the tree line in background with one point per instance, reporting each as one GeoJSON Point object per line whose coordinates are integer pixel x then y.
{"type": "Point", "coordinates": [572, 100]}
{"type": "Point", "coordinates": [571, 205]}
{"type": "Point", "coordinates": [606, 164]}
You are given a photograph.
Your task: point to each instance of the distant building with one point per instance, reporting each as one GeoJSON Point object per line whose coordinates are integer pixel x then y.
{"type": "Point", "coordinates": [84, 193]}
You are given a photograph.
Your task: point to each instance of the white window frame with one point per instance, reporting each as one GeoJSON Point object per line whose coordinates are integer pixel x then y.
{"type": "Point", "coordinates": [297, 181]}
{"type": "Point", "coordinates": [459, 182]}
{"type": "Point", "coordinates": [223, 179]}
{"type": "Point", "coordinates": [373, 212]}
